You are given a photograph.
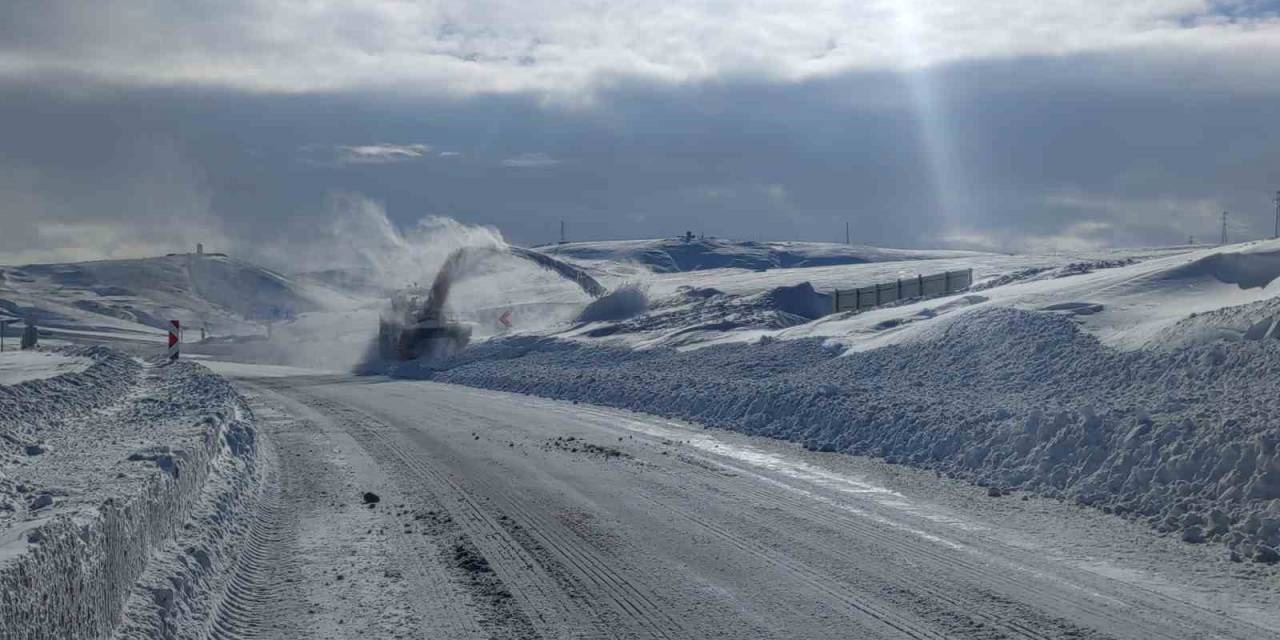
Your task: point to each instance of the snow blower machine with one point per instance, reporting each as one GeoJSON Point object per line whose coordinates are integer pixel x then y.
{"type": "Point", "coordinates": [413, 328]}
{"type": "Point", "coordinates": [416, 325]}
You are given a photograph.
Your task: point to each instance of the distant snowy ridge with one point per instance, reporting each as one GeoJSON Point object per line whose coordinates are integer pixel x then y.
{"type": "Point", "coordinates": [143, 295]}
{"type": "Point", "coordinates": [676, 255]}
{"type": "Point", "coordinates": [124, 490]}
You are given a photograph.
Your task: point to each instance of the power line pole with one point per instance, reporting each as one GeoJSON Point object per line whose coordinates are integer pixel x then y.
{"type": "Point", "coordinates": [846, 223]}
{"type": "Point", "coordinates": [1224, 227]}
{"type": "Point", "coordinates": [562, 241]}
{"type": "Point", "coordinates": [1277, 235]}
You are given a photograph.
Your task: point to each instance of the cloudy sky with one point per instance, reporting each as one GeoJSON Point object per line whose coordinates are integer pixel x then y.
{"type": "Point", "coordinates": [135, 127]}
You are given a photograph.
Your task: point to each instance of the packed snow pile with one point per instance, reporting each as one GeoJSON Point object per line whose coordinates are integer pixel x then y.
{"type": "Point", "coordinates": [627, 301]}
{"type": "Point", "coordinates": [798, 300]}
{"type": "Point", "coordinates": [676, 254]}
{"type": "Point", "coordinates": [124, 489]}
{"type": "Point", "coordinates": [1049, 273]}
{"type": "Point", "coordinates": [696, 316]}
{"type": "Point", "coordinates": [1255, 321]}
{"type": "Point", "coordinates": [39, 403]}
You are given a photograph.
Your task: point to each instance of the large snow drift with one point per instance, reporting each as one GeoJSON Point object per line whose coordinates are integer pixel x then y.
{"type": "Point", "coordinates": [124, 490]}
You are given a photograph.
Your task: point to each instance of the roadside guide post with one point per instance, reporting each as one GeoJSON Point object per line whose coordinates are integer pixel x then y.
{"type": "Point", "coordinates": [174, 328]}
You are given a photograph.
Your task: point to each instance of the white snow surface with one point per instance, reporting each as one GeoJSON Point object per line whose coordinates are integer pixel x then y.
{"type": "Point", "coordinates": [137, 298]}
{"type": "Point", "coordinates": [1181, 438]}
{"type": "Point", "coordinates": [1138, 382]}
{"type": "Point", "coordinates": [21, 366]}
{"type": "Point", "coordinates": [1124, 306]}
{"type": "Point", "coordinates": [1139, 289]}
{"type": "Point", "coordinates": [667, 255]}
{"type": "Point", "coordinates": [124, 489]}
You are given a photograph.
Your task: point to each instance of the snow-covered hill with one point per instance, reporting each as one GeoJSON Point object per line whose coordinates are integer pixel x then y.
{"type": "Point", "coordinates": [136, 298]}
{"type": "Point", "coordinates": [729, 304]}
{"type": "Point", "coordinates": [1125, 305]}
{"type": "Point", "coordinates": [670, 255]}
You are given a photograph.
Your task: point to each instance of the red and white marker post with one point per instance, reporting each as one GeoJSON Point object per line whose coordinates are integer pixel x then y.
{"type": "Point", "coordinates": [174, 327]}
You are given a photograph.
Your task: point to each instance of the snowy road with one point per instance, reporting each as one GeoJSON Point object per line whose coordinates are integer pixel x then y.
{"type": "Point", "coordinates": [509, 516]}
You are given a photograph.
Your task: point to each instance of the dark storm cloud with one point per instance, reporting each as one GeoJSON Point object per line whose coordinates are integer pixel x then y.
{"type": "Point", "coordinates": [1078, 151]}
{"type": "Point", "coordinates": [131, 127]}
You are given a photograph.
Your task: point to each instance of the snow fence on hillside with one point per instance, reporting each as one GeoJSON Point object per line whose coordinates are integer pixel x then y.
{"type": "Point", "coordinates": [122, 491]}
{"type": "Point", "coordinates": [1184, 438]}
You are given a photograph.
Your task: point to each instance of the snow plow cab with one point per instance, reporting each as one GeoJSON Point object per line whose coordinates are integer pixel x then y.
{"type": "Point", "coordinates": [410, 329]}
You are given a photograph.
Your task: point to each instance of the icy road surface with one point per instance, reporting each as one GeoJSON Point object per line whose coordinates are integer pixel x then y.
{"type": "Point", "coordinates": [516, 517]}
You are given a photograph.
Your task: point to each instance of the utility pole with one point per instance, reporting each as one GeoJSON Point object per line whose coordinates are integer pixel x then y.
{"type": "Point", "coordinates": [4, 322]}
{"type": "Point", "coordinates": [846, 222]}
{"type": "Point", "coordinates": [1224, 227]}
{"type": "Point", "coordinates": [562, 240]}
{"type": "Point", "coordinates": [1277, 235]}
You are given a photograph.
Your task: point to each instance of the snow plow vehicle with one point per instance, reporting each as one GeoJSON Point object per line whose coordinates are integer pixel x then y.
{"type": "Point", "coordinates": [412, 328]}
{"type": "Point", "coordinates": [416, 325]}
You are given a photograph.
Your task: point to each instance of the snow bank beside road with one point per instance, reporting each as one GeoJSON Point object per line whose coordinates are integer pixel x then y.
{"type": "Point", "coordinates": [33, 408]}
{"type": "Point", "coordinates": [102, 471]}
{"type": "Point", "coordinates": [1180, 438]}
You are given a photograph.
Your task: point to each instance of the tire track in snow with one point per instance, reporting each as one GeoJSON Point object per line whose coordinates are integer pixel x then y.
{"type": "Point", "coordinates": [474, 535]}
{"type": "Point", "coordinates": [537, 555]}
{"type": "Point", "coordinates": [394, 584]}
{"type": "Point", "coordinates": [258, 581]}
{"type": "Point", "coordinates": [997, 593]}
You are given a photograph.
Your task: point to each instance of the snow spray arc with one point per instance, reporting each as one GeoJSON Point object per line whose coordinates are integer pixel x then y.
{"type": "Point", "coordinates": [416, 324]}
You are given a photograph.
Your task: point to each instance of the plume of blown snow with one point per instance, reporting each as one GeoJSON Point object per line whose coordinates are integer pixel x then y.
{"type": "Point", "coordinates": [360, 238]}
{"type": "Point", "coordinates": [355, 236]}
